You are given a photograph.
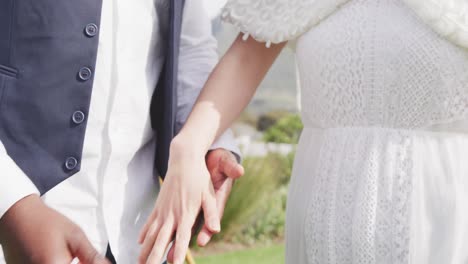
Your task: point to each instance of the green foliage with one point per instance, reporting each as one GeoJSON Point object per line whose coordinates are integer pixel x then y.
{"type": "Point", "coordinates": [268, 255]}
{"type": "Point", "coordinates": [269, 119]}
{"type": "Point", "coordinates": [256, 208]}
{"type": "Point", "coordinates": [286, 130]}
{"type": "Point", "coordinates": [268, 223]}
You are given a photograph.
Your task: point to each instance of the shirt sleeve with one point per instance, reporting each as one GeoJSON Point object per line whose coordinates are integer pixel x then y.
{"type": "Point", "coordinates": [14, 184]}
{"type": "Point", "coordinates": [277, 21]}
{"type": "Point", "coordinates": [197, 58]}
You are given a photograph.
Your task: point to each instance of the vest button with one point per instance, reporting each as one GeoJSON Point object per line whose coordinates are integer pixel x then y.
{"type": "Point", "coordinates": [91, 30]}
{"type": "Point", "coordinates": [85, 74]}
{"type": "Point", "coordinates": [78, 117]}
{"type": "Point", "coordinates": [71, 163]}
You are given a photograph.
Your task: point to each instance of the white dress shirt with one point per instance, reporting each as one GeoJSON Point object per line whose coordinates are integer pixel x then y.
{"type": "Point", "coordinates": [115, 191]}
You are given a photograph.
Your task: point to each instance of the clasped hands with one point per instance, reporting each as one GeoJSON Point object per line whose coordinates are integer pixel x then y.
{"type": "Point", "coordinates": [193, 184]}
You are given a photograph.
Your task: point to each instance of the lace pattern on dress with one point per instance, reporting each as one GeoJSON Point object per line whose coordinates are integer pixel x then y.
{"type": "Point", "coordinates": [360, 210]}
{"type": "Point", "coordinates": [374, 71]}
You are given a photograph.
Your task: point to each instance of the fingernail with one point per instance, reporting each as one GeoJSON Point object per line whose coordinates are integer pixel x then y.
{"type": "Point", "coordinates": [203, 239]}
{"type": "Point", "coordinates": [215, 225]}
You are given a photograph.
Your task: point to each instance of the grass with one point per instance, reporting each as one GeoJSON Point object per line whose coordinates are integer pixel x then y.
{"type": "Point", "coordinates": [255, 211]}
{"type": "Point", "coordinates": [270, 255]}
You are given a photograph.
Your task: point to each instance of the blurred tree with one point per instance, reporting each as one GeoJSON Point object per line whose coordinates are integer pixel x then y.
{"type": "Point", "coordinates": [286, 130]}
{"type": "Point", "coordinates": [269, 119]}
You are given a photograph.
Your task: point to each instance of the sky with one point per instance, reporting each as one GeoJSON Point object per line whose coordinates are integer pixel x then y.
{"type": "Point", "coordinates": [213, 6]}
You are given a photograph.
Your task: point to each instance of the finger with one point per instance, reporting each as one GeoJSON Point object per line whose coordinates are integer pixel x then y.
{"type": "Point", "coordinates": [145, 228]}
{"type": "Point", "coordinates": [230, 167]}
{"type": "Point", "coordinates": [170, 254]}
{"type": "Point", "coordinates": [81, 248]}
{"type": "Point", "coordinates": [204, 237]}
{"type": "Point", "coordinates": [148, 242]}
{"type": "Point", "coordinates": [197, 226]}
{"type": "Point", "coordinates": [210, 212]}
{"type": "Point", "coordinates": [182, 242]}
{"type": "Point", "coordinates": [143, 232]}
{"type": "Point", "coordinates": [222, 196]}
{"type": "Point", "coordinates": [160, 246]}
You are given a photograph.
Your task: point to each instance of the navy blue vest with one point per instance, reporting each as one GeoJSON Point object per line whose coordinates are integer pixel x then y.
{"type": "Point", "coordinates": [48, 52]}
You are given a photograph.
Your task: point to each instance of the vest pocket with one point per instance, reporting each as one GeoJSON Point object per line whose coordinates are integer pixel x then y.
{"type": "Point", "coordinates": [8, 71]}
{"type": "Point", "coordinates": [6, 74]}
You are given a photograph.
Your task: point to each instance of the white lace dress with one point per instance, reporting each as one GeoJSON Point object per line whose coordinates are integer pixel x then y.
{"type": "Point", "coordinates": [381, 174]}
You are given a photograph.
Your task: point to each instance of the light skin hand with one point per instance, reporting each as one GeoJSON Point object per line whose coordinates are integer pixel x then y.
{"type": "Point", "coordinates": [187, 188]}
{"type": "Point", "coordinates": [32, 233]}
{"type": "Point", "coordinates": [224, 169]}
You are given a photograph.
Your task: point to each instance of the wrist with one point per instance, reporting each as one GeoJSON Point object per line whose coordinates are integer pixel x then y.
{"type": "Point", "coordinates": [30, 201]}
{"type": "Point", "coordinates": [15, 213]}
{"type": "Point", "coordinates": [185, 145]}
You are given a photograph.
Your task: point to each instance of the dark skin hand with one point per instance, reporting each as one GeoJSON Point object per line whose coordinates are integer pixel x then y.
{"type": "Point", "coordinates": [224, 169]}
{"type": "Point", "coordinates": [32, 233]}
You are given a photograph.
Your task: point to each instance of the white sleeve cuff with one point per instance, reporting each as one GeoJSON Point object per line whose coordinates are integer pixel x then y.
{"type": "Point", "coordinates": [14, 184]}
{"type": "Point", "coordinates": [226, 141]}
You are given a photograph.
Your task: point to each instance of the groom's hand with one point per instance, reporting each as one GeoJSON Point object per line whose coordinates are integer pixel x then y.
{"type": "Point", "coordinates": [224, 169]}
{"type": "Point", "coordinates": [32, 233]}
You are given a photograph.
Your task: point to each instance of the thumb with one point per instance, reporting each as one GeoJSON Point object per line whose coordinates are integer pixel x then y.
{"type": "Point", "coordinates": [230, 167]}
{"type": "Point", "coordinates": [82, 249]}
{"type": "Point", "coordinates": [210, 212]}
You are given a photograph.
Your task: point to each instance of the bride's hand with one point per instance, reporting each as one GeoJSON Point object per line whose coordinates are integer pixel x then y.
{"type": "Point", "coordinates": [186, 190]}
